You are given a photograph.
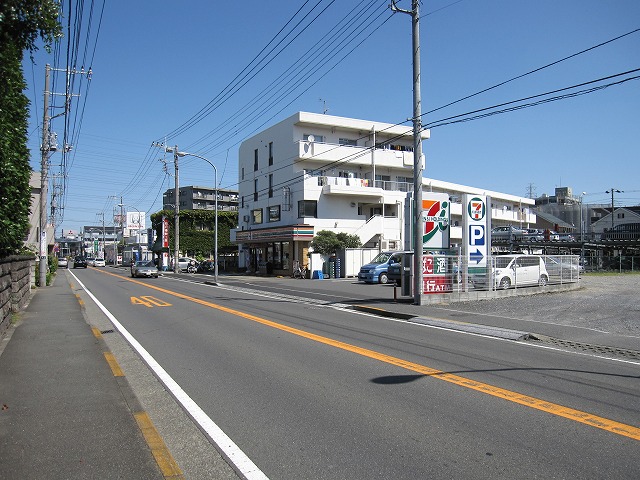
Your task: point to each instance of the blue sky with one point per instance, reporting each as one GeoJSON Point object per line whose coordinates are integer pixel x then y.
{"type": "Point", "coordinates": [157, 63]}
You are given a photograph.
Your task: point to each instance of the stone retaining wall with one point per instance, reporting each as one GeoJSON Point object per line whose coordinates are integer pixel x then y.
{"type": "Point", "coordinates": [16, 273]}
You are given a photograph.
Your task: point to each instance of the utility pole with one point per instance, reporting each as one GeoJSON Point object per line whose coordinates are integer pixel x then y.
{"type": "Point", "coordinates": [122, 229]}
{"type": "Point", "coordinates": [176, 207]}
{"type": "Point", "coordinates": [612, 191]}
{"type": "Point", "coordinates": [104, 237]}
{"type": "Point", "coordinates": [44, 181]}
{"type": "Point", "coordinates": [418, 225]}
{"type": "Point", "coordinates": [176, 239]}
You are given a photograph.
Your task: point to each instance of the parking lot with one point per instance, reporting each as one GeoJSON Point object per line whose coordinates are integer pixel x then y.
{"type": "Point", "coordinates": [607, 303]}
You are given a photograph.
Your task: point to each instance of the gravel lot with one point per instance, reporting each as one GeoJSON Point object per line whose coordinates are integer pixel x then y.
{"type": "Point", "coordinates": [609, 303]}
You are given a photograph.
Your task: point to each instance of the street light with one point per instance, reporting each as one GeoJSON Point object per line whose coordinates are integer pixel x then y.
{"type": "Point", "coordinates": [215, 187]}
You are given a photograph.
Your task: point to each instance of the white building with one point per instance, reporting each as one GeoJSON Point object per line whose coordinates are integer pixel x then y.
{"type": "Point", "coordinates": [313, 172]}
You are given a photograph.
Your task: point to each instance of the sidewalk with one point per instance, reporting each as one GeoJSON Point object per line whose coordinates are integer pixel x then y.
{"type": "Point", "coordinates": [53, 367]}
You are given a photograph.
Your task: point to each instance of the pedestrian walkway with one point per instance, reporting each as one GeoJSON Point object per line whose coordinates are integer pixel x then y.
{"type": "Point", "coordinates": [64, 411]}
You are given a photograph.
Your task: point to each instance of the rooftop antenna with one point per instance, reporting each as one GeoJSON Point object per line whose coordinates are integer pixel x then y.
{"type": "Point", "coordinates": [324, 106]}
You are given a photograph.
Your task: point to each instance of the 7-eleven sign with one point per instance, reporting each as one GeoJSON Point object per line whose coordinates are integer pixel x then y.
{"type": "Point", "coordinates": [436, 216]}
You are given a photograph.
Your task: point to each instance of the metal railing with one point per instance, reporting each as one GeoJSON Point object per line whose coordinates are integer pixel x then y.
{"type": "Point", "coordinates": [445, 273]}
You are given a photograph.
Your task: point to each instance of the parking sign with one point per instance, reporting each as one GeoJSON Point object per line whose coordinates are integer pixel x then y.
{"type": "Point", "coordinates": [475, 231]}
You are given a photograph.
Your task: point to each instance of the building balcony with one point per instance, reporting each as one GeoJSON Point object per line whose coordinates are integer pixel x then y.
{"type": "Point", "coordinates": [355, 155]}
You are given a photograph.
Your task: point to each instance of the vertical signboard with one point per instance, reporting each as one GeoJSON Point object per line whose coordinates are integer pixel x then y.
{"type": "Point", "coordinates": [476, 233]}
{"type": "Point", "coordinates": [165, 232]}
{"type": "Point", "coordinates": [436, 214]}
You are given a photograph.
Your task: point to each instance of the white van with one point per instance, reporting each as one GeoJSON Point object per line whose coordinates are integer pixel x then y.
{"type": "Point", "coordinates": [515, 271]}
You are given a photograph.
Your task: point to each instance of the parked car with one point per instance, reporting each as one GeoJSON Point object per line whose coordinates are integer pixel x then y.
{"type": "Point", "coordinates": [551, 235]}
{"type": "Point", "coordinates": [63, 262]}
{"type": "Point", "coordinates": [79, 262]}
{"type": "Point", "coordinates": [394, 273]}
{"type": "Point", "coordinates": [376, 271]}
{"type": "Point", "coordinates": [564, 267]}
{"type": "Point", "coordinates": [98, 262]}
{"type": "Point", "coordinates": [566, 237]}
{"type": "Point", "coordinates": [514, 270]}
{"type": "Point", "coordinates": [508, 233]}
{"type": "Point", "coordinates": [144, 268]}
{"type": "Point", "coordinates": [533, 235]}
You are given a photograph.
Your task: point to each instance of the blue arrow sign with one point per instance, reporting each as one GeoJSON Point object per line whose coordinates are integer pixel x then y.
{"type": "Point", "coordinates": [476, 256]}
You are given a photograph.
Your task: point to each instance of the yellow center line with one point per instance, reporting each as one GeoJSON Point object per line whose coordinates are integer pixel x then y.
{"type": "Point", "coordinates": [515, 397]}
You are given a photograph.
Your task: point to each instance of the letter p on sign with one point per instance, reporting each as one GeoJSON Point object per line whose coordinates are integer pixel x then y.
{"type": "Point", "coordinates": [476, 235]}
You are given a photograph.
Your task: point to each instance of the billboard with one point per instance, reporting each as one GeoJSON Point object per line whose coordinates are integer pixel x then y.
{"type": "Point", "coordinates": [136, 221]}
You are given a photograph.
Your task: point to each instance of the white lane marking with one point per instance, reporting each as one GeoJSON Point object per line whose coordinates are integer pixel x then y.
{"type": "Point", "coordinates": [236, 457]}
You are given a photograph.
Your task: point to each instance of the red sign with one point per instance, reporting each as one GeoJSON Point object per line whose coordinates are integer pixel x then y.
{"type": "Point", "coordinates": [435, 278]}
{"type": "Point", "coordinates": [165, 232]}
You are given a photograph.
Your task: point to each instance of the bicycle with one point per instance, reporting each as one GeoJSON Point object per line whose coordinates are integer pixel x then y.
{"type": "Point", "coordinates": [300, 272]}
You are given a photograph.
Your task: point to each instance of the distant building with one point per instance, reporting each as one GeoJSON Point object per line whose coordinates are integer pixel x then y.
{"type": "Point", "coordinates": [201, 198]}
{"type": "Point", "coordinates": [587, 218]}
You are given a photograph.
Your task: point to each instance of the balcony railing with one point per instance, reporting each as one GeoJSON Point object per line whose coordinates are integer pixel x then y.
{"type": "Point", "coordinates": [359, 183]}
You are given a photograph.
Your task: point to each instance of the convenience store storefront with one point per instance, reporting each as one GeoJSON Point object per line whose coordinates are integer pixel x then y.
{"type": "Point", "coordinates": [274, 250]}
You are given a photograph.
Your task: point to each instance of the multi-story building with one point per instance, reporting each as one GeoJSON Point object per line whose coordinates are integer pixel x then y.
{"type": "Point", "coordinates": [201, 198]}
{"type": "Point", "coordinates": [313, 172]}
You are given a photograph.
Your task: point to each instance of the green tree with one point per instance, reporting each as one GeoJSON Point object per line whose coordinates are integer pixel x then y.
{"type": "Point", "coordinates": [327, 242]}
{"type": "Point", "coordinates": [22, 22]}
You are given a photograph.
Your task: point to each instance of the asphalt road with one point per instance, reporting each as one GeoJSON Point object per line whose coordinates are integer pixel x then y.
{"type": "Point", "coordinates": [307, 389]}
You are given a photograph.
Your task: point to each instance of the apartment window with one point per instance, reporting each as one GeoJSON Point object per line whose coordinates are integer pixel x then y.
{"type": "Point", "coordinates": [348, 141]}
{"type": "Point", "coordinates": [270, 153]}
{"type": "Point", "coordinates": [256, 215]}
{"type": "Point", "coordinates": [242, 173]}
{"type": "Point", "coordinates": [271, 185]}
{"type": "Point", "coordinates": [308, 208]}
{"type": "Point", "coordinates": [255, 160]}
{"type": "Point", "coordinates": [255, 190]}
{"type": "Point", "coordinates": [274, 213]}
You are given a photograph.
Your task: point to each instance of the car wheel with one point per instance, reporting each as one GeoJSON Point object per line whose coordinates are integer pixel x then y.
{"type": "Point", "coordinates": [505, 283]}
{"type": "Point", "coordinates": [543, 281]}
{"type": "Point", "coordinates": [383, 278]}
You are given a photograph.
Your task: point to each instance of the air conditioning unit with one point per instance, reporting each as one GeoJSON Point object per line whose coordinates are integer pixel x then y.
{"type": "Point", "coordinates": [384, 244]}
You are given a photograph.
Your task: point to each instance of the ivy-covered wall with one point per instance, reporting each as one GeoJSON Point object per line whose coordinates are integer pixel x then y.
{"type": "Point", "coordinates": [197, 230]}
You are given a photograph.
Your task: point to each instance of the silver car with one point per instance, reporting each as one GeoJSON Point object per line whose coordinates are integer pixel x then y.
{"type": "Point", "coordinates": [144, 268]}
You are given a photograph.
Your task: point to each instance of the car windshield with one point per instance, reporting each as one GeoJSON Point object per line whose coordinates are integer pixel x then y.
{"type": "Point", "coordinates": [144, 263]}
{"type": "Point", "coordinates": [381, 257]}
{"type": "Point", "coordinates": [502, 262]}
